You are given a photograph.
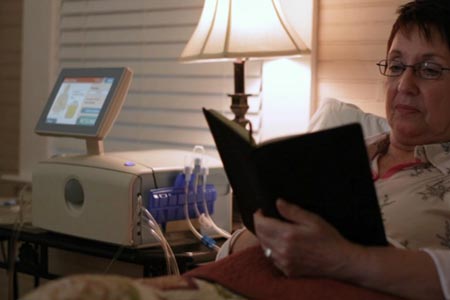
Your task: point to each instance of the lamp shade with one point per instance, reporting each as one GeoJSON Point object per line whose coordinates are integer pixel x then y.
{"type": "Point", "coordinates": [233, 29]}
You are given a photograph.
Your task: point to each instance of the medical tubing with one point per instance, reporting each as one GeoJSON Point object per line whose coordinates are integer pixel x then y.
{"type": "Point", "coordinates": [171, 262]}
{"type": "Point", "coordinates": [114, 258]}
{"type": "Point", "coordinates": [186, 211]}
{"type": "Point", "coordinates": [155, 231]}
{"type": "Point", "coordinates": [204, 174]}
{"type": "Point", "coordinates": [198, 153]}
{"type": "Point", "coordinates": [197, 168]}
{"type": "Point", "coordinates": [206, 240]}
{"type": "Point", "coordinates": [17, 227]}
{"type": "Point", "coordinates": [168, 252]}
{"type": "Point", "coordinates": [171, 265]}
{"type": "Point", "coordinates": [200, 172]}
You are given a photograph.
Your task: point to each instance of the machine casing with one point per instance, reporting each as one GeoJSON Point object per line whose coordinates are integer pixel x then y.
{"type": "Point", "coordinates": [98, 196]}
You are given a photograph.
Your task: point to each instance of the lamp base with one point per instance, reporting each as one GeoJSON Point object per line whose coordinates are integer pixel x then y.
{"type": "Point", "coordinates": [239, 106]}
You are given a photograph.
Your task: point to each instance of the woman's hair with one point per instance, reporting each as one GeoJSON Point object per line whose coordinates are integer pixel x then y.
{"type": "Point", "coordinates": [426, 15]}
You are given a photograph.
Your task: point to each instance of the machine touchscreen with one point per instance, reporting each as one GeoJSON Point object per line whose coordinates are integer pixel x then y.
{"type": "Point", "coordinates": [79, 100]}
{"type": "Point", "coordinates": [84, 103]}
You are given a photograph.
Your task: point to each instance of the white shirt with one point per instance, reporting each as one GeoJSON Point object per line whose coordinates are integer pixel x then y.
{"type": "Point", "coordinates": [415, 202]}
{"type": "Point", "coordinates": [415, 197]}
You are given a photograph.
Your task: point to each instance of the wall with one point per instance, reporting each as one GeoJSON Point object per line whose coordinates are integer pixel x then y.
{"type": "Point", "coordinates": [351, 39]}
{"type": "Point", "coordinates": [10, 75]}
{"type": "Point", "coordinates": [41, 62]}
{"type": "Point", "coordinates": [38, 69]}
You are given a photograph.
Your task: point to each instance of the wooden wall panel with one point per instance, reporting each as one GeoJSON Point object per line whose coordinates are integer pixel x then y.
{"type": "Point", "coordinates": [10, 57]}
{"type": "Point", "coordinates": [352, 37]}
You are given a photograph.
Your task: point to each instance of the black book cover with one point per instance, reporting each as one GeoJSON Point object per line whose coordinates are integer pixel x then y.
{"type": "Point", "coordinates": [326, 172]}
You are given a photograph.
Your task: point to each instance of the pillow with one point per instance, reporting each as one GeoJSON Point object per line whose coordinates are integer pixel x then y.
{"type": "Point", "coordinates": [333, 112]}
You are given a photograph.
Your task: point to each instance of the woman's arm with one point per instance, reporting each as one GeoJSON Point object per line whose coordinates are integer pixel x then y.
{"type": "Point", "coordinates": [240, 240]}
{"type": "Point", "coordinates": [406, 273]}
{"type": "Point", "coordinates": [309, 246]}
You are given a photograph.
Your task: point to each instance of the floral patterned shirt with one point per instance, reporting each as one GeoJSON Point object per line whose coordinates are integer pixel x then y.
{"type": "Point", "coordinates": [415, 197]}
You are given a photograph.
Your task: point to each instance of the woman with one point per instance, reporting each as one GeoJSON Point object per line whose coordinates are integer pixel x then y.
{"type": "Point", "coordinates": [411, 168]}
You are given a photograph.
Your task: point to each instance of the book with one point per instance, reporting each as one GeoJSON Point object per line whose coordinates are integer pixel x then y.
{"type": "Point", "coordinates": [326, 172]}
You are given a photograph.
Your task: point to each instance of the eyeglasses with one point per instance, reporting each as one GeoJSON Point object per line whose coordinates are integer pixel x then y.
{"type": "Point", "coordinates": [425, 70]}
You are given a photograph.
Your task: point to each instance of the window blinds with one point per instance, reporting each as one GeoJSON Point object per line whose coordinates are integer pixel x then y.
{"type": "Point", "coordinates": [163, 107]}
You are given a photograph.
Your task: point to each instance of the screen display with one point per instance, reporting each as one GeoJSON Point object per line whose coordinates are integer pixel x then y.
{"type": "Point", "coordinates": [84, 102]}
{"type": "Point", "coordinates": [79, 101]}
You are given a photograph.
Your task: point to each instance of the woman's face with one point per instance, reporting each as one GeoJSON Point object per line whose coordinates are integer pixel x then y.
{"type": "Point", "coordinates": [418, 110]}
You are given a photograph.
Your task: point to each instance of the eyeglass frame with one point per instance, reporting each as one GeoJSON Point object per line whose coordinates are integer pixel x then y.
{"type": "Point", "coordinates": [417, 68]}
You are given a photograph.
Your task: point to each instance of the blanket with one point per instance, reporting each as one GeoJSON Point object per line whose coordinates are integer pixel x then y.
{"type": "Point", "coordinates": [252, 275]}
{"type": "Point", "coordinates": [113, 287]}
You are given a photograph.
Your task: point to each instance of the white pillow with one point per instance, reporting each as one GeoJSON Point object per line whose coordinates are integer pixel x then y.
{"type": "Point", "coordinates": [333, 112]}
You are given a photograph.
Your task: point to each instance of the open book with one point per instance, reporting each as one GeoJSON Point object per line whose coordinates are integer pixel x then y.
{"type": "Point", "coordinates": [326, 172]}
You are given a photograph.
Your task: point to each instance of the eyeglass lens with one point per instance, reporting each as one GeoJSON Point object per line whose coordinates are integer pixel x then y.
{"type": "Point", "coordinates": [425, 70]}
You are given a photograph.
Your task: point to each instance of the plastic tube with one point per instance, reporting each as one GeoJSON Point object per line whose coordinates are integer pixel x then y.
{"type": "Point", "coordinates": [12, 251]}
{"type": "Point", "coordinates": [155, 231]}
{"type": "Point", "coordinates": [222, 232]}
{"type": "Point", "coordinates": [200, 173]}
{"type": "Point", "coordinates": [206, 240]}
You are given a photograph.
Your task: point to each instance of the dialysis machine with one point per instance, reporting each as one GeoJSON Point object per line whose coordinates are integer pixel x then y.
{"type": "Point", "coordinates": [101, 195]}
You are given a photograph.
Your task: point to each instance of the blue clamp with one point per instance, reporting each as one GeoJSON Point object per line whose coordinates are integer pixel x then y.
{"type": "Point", "coordinates": [208, 242]}
{"type": "Point", "coordinates": [167, 204]}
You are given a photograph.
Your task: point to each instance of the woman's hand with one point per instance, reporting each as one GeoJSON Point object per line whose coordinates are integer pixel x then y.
{"type": "Point", "coordinates": [307, 246]}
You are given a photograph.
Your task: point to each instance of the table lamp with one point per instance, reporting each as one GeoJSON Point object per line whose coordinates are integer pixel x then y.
{"type": "Point", "coordinates": [239, 30]}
